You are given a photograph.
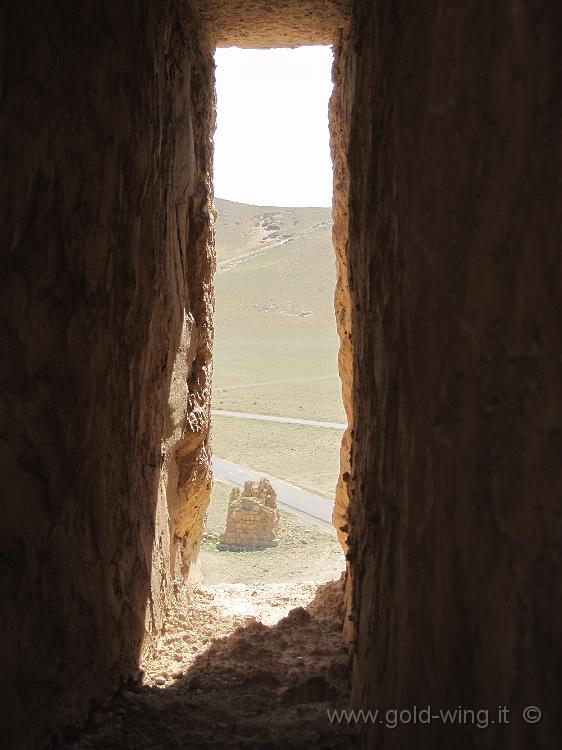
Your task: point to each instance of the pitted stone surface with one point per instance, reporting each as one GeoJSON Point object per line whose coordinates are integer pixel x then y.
{"type": "Point", "coordinates": [106, 309]}
{"type": "Point", "coordinates": [285, 23]}
{"type": "Point", "coordinates": [253, 519]}
{"type": "Point", "coordinates": [445, 125]}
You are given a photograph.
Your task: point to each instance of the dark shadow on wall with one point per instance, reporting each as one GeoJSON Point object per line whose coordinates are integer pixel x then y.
{"type": "Point", "coordinates": [97, 110]}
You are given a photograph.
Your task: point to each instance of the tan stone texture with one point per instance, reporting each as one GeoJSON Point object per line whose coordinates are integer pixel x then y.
{"type": "Point", "coordinates": [455, 219]}
{"type": "Point", "coordinates": [446, 122]}
{"type": "Point", "coordinates": [106, 315]}
{"type": "Point", "coordinates": [273, 23]}
{"type": "Point", "coordinates": [252, 520]}
{"type": "Point", "coordinates": [340, 107]}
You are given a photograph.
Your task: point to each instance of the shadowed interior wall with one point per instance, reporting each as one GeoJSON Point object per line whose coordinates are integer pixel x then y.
{"type": "Point", "coordinates": [450, 247]}
{"type": "Point", "coordinates": [456, 283]}
{"type": "Point", "coordinates": [106, 261]}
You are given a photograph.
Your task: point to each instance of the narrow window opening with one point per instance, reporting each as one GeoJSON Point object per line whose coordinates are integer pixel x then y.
{"type": "Point", "coordinates": [254, 640]}
{"type": "Point", "coordinates": [278, 416]}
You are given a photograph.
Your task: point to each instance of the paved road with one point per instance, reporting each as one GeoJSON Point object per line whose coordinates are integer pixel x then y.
{"type": "Point", "coordinates": [284, 420]}
{"type": "Point", "coordinates": [304, 503]}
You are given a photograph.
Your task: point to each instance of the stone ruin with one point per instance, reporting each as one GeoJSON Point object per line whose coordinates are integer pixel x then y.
{"type": "Point", "coordinates": [253, 519]}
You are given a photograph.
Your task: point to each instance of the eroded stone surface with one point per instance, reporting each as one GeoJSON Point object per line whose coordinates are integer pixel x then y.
{"type": "Point", "coordinates": [252, 521]}
{"type": "Point", "coordinates": [445, 125]}
{"type": "Point", "coordinates": [454, 270]}
{"type": "Point", "coordinates": [283, 23]}
{"type": "Point", "coordinates": [105, 310]}
{"type": "Point", "coordinates": [340, 107]}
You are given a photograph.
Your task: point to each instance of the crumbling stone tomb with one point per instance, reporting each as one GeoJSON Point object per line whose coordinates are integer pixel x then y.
{"type": "Point", "coordinates": [252, 521]}
{"type": "Point", "coordinates": [445, 134]}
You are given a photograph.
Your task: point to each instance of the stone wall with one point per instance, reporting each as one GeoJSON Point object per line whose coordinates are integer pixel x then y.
{"type": "Point", "coordinates": [454, 268]}
{"type": "Point", "coordinates": [252, 520]}
{"type": "Point", "coordinates": [445, 130]}
{"type": "Point", "coordinates": [105, 312]}
{"type": "Point", "coordinates": [339, 114]}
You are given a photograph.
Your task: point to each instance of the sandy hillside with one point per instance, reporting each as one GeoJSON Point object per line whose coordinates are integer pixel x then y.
{"type": "Point", "coordinates": [243, 229]}
{"type": "Point", "coordinates": [276, 343]}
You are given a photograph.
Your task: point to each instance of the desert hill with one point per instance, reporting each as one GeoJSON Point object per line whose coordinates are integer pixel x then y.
{"type": "Point", "coordinates": [242, 229]}
{"type": "Point", "coordinates": [275, 313]}
{"type": "Point", "coordinates": [276, 344]}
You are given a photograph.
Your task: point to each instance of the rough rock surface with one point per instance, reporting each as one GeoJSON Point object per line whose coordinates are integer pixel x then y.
{"type": "Point", "coordinates": [283, 23]}
{"type": "Point", "coordinates": [252, 521]}
{"type": "Point", "coordinates": [339, 113]}
{"type": "Point", "coordinates": [446, 134]}
{"type": "Point", "coordinates": [105, 312]}
{"type": "Point", "coordinates": [454, 267]}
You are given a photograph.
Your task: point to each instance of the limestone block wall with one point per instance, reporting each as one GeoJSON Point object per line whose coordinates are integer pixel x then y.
{"type": "Point", "coordinates": [455, 221]}
{"type": "Point", "coordinates": [105, 311]}
{"type": "Point", "coordinates": [253, 519]}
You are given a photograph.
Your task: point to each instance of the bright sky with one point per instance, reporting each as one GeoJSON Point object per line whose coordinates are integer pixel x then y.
{"type": "Point", "coordinates": [272, 141]}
